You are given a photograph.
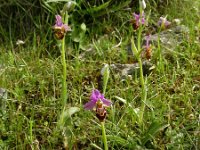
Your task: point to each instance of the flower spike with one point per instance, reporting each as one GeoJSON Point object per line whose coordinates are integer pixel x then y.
{"type": "Point", "coordinates": [60, 28]}
{"type": "Point", "coordinates": [98, 101]}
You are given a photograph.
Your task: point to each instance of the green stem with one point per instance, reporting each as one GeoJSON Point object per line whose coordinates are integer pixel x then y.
{"type": "Point", "coordinates": [64, 84]}
{"type": "Point", "coordinates": [143, 96]}
{"type": "Point", "coordinates": [161, 67]}
{"type": "Point", "coordinates": [144, 92]}
{"type": "Point", "coordinates": [31, 131]}
{"type": "Point", "coordinates": [104, 136]}
{"type": "Point", "coordinates": [139, 40]}
{"type": "Point", "coordinates": [137, 52]}
{"type": "Point", "coordinates": [63, 60]}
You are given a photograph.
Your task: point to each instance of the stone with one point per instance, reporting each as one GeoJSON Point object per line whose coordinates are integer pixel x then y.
{"type": "Point", "coordinates": [3, 93]}
{"type": "Point", "coordinates": [170, 38]}
{"type": "Point", "coordinates": [126, 70]}
{"type": "Point", "coordinates": [3, 98]}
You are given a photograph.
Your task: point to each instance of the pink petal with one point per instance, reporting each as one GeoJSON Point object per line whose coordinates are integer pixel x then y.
{"type": "Point", "coordinates": [106, 102]}
{"type": "Point", "coordinates": [147, 40]}
{"type": "Point", "coordinates": [167, 23]}
{"type": "Point", "coordinates": [67, 28]}
{"type": "Point", "coordinates": [143, 21]}
{"type": "Point", "coordinates": [90, 105]}
{"type": "Point", "coordinates": [59, 20]}
{"type": "Point", "coordinates": [95, 95]}
{"type": "Point", "coordinates": [137, 16]}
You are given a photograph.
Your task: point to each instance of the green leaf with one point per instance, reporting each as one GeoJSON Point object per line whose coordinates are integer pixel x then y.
{"type": "Point", "coordinates": [121, 99]}
{"type": "Point", "coordinates": [83, 27]}
{"type": "Point", "coordinates": [56, 1]}
{"type": "Point", "coordinates": [65, 116]}
{"type": "Point", "coordinates": [98, 8]}
{"type": "Point", "coordinates": [126, 143]}
{"type": "Point", "coordinates": [117, 139]}
{"type": "Point", "coordinates": [69, 112]}
{"type": "Point", "coordinates": [96, 146]}
{"type": "Point", "coordinates": [154, 128]}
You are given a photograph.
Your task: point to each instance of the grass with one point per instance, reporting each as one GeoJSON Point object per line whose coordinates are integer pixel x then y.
{"type": "Point", "coordinates": [32, 74]}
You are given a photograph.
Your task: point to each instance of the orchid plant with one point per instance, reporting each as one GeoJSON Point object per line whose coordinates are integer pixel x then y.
{"type": "Point", "coordinates": [60, 29]}
{"type": "Point", "coordinates": [139, 19]}
{"type": "Point", "coordinates": [163, 23]}
{"type": "Point", "coordinates": [99, 102]}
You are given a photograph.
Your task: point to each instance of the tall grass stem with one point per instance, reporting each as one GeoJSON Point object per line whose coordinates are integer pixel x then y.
{"type": "Point", "coordinates": [104, 135]}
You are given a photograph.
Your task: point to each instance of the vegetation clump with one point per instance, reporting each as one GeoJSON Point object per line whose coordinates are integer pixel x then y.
{"type": "Point", "coordinates": [143, 56]}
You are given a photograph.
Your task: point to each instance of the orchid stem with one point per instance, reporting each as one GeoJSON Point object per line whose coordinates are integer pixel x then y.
{"type": "Point", "coordinates": [64, 84]}
{"type": "Point", "coordinates": [137, 52]}
{"type": "Point", "coordinates": [104, 136]}
{"type": "Point", "coordinates": [143, 96]}
{"type": "Point", "coordinates": [161, 67]}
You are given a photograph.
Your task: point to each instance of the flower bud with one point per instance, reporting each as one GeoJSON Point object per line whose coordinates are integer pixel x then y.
{"type": "Point", "coordinates": [83, 27]}
{"type": "Point", "coordinates": [143, 4]}
{"type": "Point", "coordinates": [105, 72]}
{"type": "Point", "coordinates": [69, 6]}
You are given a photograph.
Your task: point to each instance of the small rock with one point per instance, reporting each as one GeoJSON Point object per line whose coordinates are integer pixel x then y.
{"type": "Point", "coordinates": [170, 38]}
{"type": "Point", "coordinates": [3, 93]}
{"type": "Point", "coordinates": [177, 21]}
{"type": "Point", "coordinates": [125, 70]}
{"type": "Point", "coordinates": [3, 98]}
